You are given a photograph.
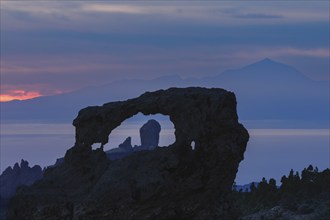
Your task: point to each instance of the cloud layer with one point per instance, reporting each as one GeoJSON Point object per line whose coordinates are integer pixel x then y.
{"type": "Point", "coordinates": [49, 47]}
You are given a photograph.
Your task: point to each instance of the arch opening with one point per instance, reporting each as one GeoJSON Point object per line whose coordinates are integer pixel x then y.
{"type": "Point", "coordinates": [96, 146]}
{"type": "Point", "coordinates": [140, 132]}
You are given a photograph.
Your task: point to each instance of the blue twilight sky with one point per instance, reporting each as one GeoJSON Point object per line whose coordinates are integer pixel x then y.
{"type": "Point", "coordinates": [50, 47]}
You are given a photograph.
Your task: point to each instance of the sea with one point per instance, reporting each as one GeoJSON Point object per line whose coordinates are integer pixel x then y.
{"type": "Point", "coordinates": [270, 153]}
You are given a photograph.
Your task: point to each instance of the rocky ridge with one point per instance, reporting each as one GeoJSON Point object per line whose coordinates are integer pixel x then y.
{"type": "Point", "coordinates": [19, 174]}
{"type": "Point", "coordinates": [15, 177]}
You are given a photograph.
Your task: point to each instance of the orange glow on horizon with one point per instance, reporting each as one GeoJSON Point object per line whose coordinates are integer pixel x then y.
{"type": "Point", "coordinates": [18, 95]}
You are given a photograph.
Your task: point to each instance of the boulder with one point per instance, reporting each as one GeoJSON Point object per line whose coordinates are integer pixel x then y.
{"type": "Point", "coordinates": [149, 134]}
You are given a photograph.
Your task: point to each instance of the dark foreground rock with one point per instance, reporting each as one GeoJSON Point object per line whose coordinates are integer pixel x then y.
{"type": "Point", "coordinates": [176, 182]}
{"type": "Point", "coordinates": [321, 212]}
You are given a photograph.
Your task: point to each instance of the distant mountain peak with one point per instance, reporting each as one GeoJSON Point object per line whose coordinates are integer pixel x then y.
{"type": "Point", "coordinates": [269, 65]}
{"type": "Point", "coordinates": [267, 61]}
{"type": "Point", "coordinates": [265, 71]}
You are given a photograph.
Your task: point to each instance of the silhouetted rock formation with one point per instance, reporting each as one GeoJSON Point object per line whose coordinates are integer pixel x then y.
{"type": "Point", "coordinates": [149, 134]}
{"type": "Point", "coordinates": [19, 175]}
{"type": "Point", "coordinates": [124, 149]}
{"type": "Point", "coordinates": [126, 145]}
{"type": "Point", "coordinates": [176, 182]}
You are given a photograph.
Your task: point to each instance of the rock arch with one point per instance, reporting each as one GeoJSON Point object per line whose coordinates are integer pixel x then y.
{"type": "Point", "coordinates": [198, 114]}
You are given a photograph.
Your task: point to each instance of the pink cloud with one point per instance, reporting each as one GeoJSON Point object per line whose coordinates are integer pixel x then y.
{"type": "Point", "coordinates": [18, 95]}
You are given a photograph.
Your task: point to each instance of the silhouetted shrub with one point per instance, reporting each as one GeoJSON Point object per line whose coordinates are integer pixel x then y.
{"type": "Point", "coordinates": [301, 194]}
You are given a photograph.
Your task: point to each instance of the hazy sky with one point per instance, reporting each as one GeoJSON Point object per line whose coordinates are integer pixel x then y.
{"type": "Point", "coordinates": [49, 47]}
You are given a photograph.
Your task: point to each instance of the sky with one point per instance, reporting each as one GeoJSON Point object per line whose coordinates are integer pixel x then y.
{"type": "Point", "coordinates": [52, 47]}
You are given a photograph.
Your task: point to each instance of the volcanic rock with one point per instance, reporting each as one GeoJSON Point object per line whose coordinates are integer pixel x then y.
{"type": "Point", "coordinates": [174, 182]}
{"type": "Point", "coordinates": [126, 145]}
{"type": "Point", "coordinates": [19, 175]}
{"type": "Point", "coordinates": [124, 149]}
{"type": "Point", "coordinates": [14, 178]}
{"type": "Point", "coordinates": [149, 134]}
